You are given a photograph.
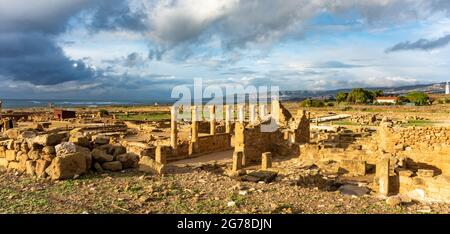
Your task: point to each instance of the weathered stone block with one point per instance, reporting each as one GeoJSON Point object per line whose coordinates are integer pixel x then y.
{"type": "Point", "coordinates": [3, 163]}
{"type": "Point", "coordinates": [17, 166]}
{"type": "Point", "coordinates": [65, 148]}
{"type": "Point", "coordinates": [118, 150]}
{"type": "Point", "coordinates": [49, 139]}
{"type": "Point", "coordinates": [101, 156]}
{"type": "Point", "coordinates": [34, 155]}
{"type": "Point", "coordinates": [354, 167]}
{"type": "Point", "coordinates": [24, 147]}
{"type": "Point", "coordinates": [67, 166]}
{"type": "Point", "coordinates": [22, 157]}
{"type": "Point", "coordinates": [98, 167]}
{"type": "Point", "coordinates": [112, 166]}
{"type": "Point", "coordinates": [147, 164]}
{"type": "Point", "coordinates": [405, 173]}
{"type": "Point", "coordinates": [80, 140]}
{"type": "Point", "coordinates": [30, 167]}
{"type": "Point", "coordinates": [101, 139]}
{"type": "Point", "coordinates": [128, 160]}
{"type": "Point", "coordinates": [140, 148]}
{"type": "Point", "coordinates": [41, 165]}
{"type": "Point", "coordinates": [382, 171]}
{"type": "Point", "coordinates": [49, 150]}
{"type": "Point", "coordinates": [10, 155]}
{"type": "Point", "coordinates": [87, 154]}
{"type": "Point", "coordinates": [425, 173]}
{"type": "Point", "coordinates": [161, 154]}
{"type": "Point", "coordinates": [12, 133]}
{"type": "Point", "coordinates": [2, 152]}
{"type": "Point", "coordinates": [237, 160]}
{"type": "Point", "coordinates": [266, 160]}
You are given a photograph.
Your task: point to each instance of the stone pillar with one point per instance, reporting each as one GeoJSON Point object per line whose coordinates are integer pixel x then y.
{"type": "Point", "coordinates": [266, 160]}
{"type": "Point", "coordinates": [252, 110]}
{"type": "Point", "coordinates": [212, 119]}
{"type": "Point", "coordinates": [228, 117]}
{"type": "Point", "coordinates": [241, 113]}
{"type": "Point", "coordinates": [173, 127]}
{"type": "Point", "coordinates": [237, 160]}
{"type": "Point", "coordinates": [194, 125]}
{"type": "Point", "coordinates": [160, 156]}
{"type": "Point", "coordinates": [262, 111]}
{"type": "Point", "coordinates": [194, 131]}
{"type": "Point", "coordinates": [382, 173]}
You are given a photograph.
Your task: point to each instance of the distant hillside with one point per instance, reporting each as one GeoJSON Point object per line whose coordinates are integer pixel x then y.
{"type": "Point", "coordinates": [324, 94]}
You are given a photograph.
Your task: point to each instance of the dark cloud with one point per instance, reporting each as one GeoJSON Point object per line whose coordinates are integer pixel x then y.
{"type": "Point", "coordinates": [134, 59]}
{"type": "Point", "coordinates": [45, 16]}
{"type": "Point", "coordinates": [28, 49]}
{"type": "Point", "coordinates": [28, 30]}
{"type": "Point", "coordinates": [35, 58]}
{"type": "Point", "coordinates": [113, 15]}
{"type": "Point", "coordinates": [422, 44]}
{"type": "Point", "coordinates": [440, 5]}
{"type": "Point", "coordinates": [155, 54]}
{"type": "Point", "coordinates": [261, 23]}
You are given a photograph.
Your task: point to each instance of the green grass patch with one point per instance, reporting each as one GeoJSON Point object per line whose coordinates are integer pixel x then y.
{"type": "Point", "coordinates": [420, 123]}
{"type": "Point", "coordinates": [344, 123]}
{"type": "Point", "coordinates": [66, 186]}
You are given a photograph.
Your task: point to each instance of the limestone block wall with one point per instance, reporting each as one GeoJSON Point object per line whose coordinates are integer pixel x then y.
{"type": "Point", "coordinates": [317, 152]}
{"type": "Point", "coordinates": [63, 155]}
{"type": "Point", "coordinates": [423, 147]}
{"type": "Point", "coordinates": [253, 142]}
{"type": "Point", "coordinates": [214, 143]}
{"type": "Point", "coordinates": [425, 188]}
{"type": "Point", "coordinates": [416, 138]}
{"type": "Point", "coordinates": [139, 148]}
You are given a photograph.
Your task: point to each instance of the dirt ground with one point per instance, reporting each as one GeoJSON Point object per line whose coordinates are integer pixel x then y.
{"type": "Point", "coordinates": [194, 190]}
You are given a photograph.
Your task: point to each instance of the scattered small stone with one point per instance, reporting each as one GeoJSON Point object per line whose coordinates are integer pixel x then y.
{"type": "Point", "coordinates": [425, 209]}
{"type": "Point", "coordinates": [243, 192]}
{"type": "Point", "coordinates": [393, 201]}
{"type": "Point", "coordinates": [231, 204]}
{"type": "Point", "coordinates": [144, 198]}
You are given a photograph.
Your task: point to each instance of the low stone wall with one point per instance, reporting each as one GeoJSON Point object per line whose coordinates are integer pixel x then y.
{"type": "Point", "coordinates": [419, 158]}
{"type": "Point", "coordinates": [422, 147]}
{"type": "Point", "coordinates": [252, 142]}
{"type": "Point", "coordinates": [214, 143]}
{"type": "Point", "coordinates": [63, 155]}
{"type": "Point", "coordinates": [414, 138]}
{"type": "Point", "coordinates": [139, 148]}
{"type": "Point", "coordinates": [425, 187]}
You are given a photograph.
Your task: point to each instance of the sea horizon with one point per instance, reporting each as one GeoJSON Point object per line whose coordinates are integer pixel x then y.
{"type": "Point", "coordinates": [73, 103]}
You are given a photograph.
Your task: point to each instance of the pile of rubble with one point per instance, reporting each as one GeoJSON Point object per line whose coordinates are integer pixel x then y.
{"type": "Point", "coordinates": [366, 119]}
{"type": "Point", "coordinates": [62, 155]}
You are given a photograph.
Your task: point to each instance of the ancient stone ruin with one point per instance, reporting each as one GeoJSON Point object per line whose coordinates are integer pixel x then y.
{"type": "Point", "coordinates": [390, 159]}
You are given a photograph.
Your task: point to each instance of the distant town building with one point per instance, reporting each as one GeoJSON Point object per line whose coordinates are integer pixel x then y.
{"type": "Point", "coordinates": [64, 114]}
{"type": "Point", "coordinates": [447, 88]}
{"type": "Point", "coordinates": [387, 100]}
